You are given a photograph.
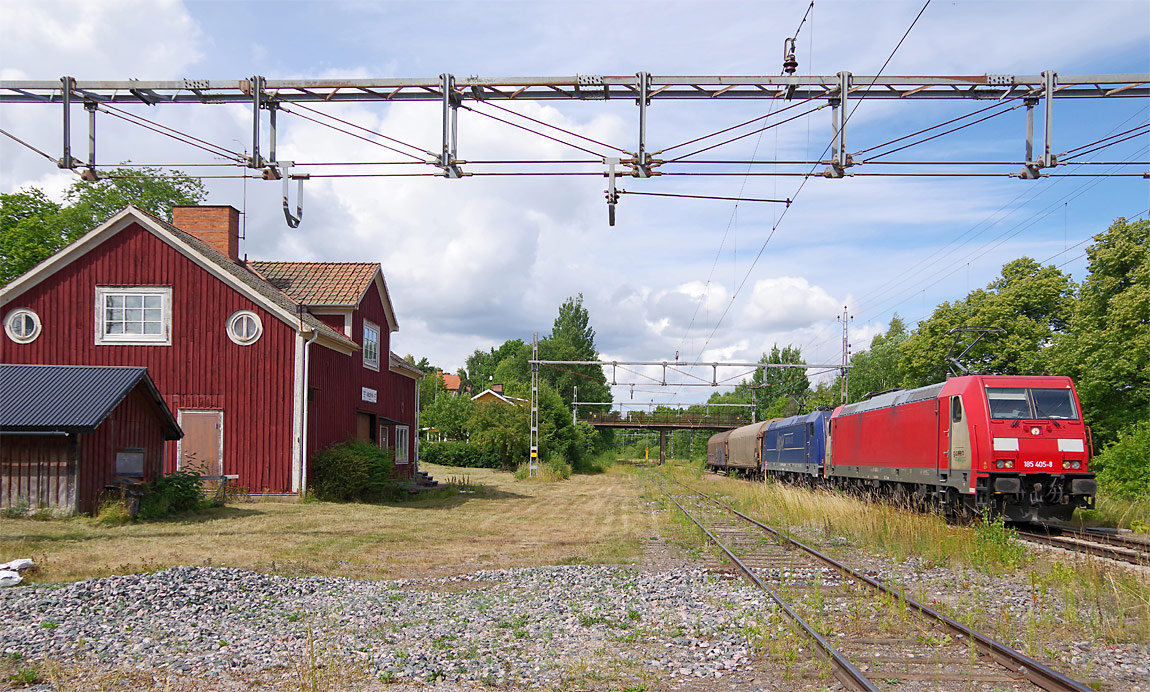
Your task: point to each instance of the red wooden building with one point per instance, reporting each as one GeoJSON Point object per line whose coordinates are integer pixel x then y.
{"type": "Point", "coordinates": [264, 363]}
{"type": "Point", "coordinates": [66, 432]}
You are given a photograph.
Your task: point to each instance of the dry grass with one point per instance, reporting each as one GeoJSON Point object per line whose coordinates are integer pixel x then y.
{"type": "Point", "coordinates": [494, 523]}
{"type": "Point", "coordinates": [1096, 600]}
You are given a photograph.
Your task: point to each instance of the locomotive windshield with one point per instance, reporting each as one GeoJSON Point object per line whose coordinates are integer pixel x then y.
{"type": "Point", "coordinates": [1031, 403]}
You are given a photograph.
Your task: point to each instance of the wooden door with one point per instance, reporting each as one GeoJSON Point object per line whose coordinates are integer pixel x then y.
{"type": "Point", "coordinates": [202, 449]}
{"type": "Point", "coordinates": [363, 427]}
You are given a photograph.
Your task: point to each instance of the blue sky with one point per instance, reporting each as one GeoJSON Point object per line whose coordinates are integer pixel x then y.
{"type": "Point", "coordinates": [474, 262]}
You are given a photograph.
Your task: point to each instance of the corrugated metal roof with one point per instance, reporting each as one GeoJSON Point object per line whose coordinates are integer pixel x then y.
{"type": "Point", "coordinates": [320, 283]}
{"type": "Point", "coordinates": [69, 398]}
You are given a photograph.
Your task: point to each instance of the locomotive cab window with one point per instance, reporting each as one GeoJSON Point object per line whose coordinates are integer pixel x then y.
{"type": "Point", "coordinates": [955, 409]}
{"type": "Point", "coordinates": [1017, 403]}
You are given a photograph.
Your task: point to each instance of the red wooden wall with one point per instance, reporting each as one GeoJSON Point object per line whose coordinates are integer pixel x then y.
{"type": "Point", "coordinates": [201, 369]}
{"type": "Point", "coordinates": [336, 381]}
{"type": "Point", "coordinates": [38, 469]}
{"type": "Point", "coordinates": [135, 423]}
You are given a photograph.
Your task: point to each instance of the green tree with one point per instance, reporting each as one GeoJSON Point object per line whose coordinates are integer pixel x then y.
{"type": "Point", "coordinates": [479, 370]}
{"type": "Point", "coordinates": [502, 430]}
{"type": "Point", "coordinates": [448, 414]}
{"type": "Point", "coordinates": [33, 227]}
{"type": "Point", "coordinates": [878, 368]}
{"type": "Point", "coordinates": [780, 392]}
{"type": "Point", "coordinates": [1107, 346]}
{"type": "Point", "coordinates": [573, 338]}
{"type": "Point", "coordinates": [1030, 302]}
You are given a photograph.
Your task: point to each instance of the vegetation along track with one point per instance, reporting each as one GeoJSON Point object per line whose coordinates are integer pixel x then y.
{"type": "Point", "coordinates": [1113, 546]}
{"type": "Point", "coordinates": [858, 624]}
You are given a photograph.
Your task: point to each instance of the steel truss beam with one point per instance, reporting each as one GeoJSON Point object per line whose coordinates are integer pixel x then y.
{"type": "Point", "coordinates": [643, 89]}
{"type": "Point", "coordinates": [578, 87]}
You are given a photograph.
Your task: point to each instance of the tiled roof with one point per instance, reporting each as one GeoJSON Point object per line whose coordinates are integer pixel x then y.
{"type": "Point", "coordinates": [451, 382]}
{"type": "Point", "coordinates": [70, 398]}
{"type": "Point", "coordinates": [320, 283]}
{"type": "Point", "coordinates": [255, 281]}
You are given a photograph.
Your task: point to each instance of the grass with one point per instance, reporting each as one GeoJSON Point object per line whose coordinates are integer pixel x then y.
{"type": "Point", "coordinates": [495, 522]}
{"type": "Point", "coordinates": [1094, 600]}
{"type": "Point", "coordinates": [1112, 512]}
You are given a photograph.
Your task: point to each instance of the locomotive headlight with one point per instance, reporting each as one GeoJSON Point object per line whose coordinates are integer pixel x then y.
{"type": "Point", "coordinates": [999, 464]}
{"type": "Point", "coordinates": [1066, 466]}
{"type": "Point", "coordinates": [1076, 465]}
{"type": "Point", "coordinates": [1010, 463]}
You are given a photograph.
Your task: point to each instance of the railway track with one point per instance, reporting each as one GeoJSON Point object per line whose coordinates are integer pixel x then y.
{"type": "Point", "coordinates": [1112, 546]}
{"type": "Point", "coordinates": [873, 637]}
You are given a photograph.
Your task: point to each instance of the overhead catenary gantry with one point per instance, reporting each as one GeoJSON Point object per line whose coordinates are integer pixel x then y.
{"type": "Point", "coordinates": [841, 92]}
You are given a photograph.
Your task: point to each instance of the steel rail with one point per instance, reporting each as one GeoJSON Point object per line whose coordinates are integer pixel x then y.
{"type": "Point", "coordinates": [844, 671]}
{"type": "Point", "coordinates": [1121, 551]}
{"type": "Point", "coordinates": [1015, 661]}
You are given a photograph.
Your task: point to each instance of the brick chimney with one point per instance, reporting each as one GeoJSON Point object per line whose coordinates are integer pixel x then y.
{"type": "Point", "coordinates": [497, 388]}
{"type": "Point", "coordinates": [217, 225]}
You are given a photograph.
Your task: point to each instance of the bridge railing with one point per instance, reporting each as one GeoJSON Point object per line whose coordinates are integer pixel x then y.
{"type": "Point", "coordinates": [694, 419]}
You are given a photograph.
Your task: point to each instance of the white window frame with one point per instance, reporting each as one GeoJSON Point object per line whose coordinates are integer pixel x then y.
{"type": "Point", "coordinates": [371, 362]}
{"type": "Point", "coordinates": [9, 323]}
{"type": "Point", "coordinates": [402, 444]}
{"type": "Point", "coordinates": [235, 319]}
{"type": "Point", "coordinates": [164, 338]}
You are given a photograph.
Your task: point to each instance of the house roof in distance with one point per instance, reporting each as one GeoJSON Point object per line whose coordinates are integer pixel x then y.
{"type": "Point", "coordinates": [71, 398]}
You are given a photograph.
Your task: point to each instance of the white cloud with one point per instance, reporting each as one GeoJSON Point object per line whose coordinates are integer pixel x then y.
{"type": "Point", "coordinates": [152, 39]}
{"type": "Point", "coordinates": [787, 302]}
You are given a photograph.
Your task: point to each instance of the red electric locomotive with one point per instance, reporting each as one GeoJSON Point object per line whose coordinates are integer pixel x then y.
{"type": "Point", "coordinates": [1013, 445]}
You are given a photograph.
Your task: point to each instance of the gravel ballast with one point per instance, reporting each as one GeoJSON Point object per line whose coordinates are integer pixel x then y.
{"type": "Point", "coordinates": [532, 628]}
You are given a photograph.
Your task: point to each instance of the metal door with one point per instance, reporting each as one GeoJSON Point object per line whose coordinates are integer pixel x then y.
{"type": "Point", "coordinates": [959, 452]}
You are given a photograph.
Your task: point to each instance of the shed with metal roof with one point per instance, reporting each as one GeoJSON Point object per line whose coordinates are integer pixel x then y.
{"type": "Point", "coordinates": [69, 431]}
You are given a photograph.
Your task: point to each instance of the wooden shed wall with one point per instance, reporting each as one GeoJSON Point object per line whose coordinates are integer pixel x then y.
{"type": "Point", "coordinates": [40, 469]}
{"type": "Point", "coordinates": [135, 423]}
{"type": "Point", "coordinates": [202, 368]}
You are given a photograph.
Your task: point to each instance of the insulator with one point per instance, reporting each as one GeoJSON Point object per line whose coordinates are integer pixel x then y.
{"type": "Point", "coordinates": [790, 64]}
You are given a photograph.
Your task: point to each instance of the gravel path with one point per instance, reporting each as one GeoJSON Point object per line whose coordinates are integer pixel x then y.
{"type": "Point", "coordinates": [576, 626]}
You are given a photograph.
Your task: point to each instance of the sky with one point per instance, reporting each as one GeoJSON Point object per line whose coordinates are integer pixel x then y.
{"type": "Point", "coordinates": [471, 263]}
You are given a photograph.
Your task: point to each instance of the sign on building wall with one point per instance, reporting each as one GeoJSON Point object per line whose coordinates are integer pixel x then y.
{"type": "Point", "coordinates": [368, 394]}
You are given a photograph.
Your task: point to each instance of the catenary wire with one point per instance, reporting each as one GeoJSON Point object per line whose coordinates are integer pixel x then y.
{"type": "Point", "coordinates": [354, 134]}
{"type": "Point", "coordinates": [212, 149]}
{"type": "Point", "coordinates": [941, 134]}
{"type": "Point", "coordinates": [365, 129]}
{"type": "Point", "coordinates": [528, 129]}
{"type": "Point", "coordinates": [555, 127]}
{"type": "Point", "coordinates": [804, 182]}
{"type": "Point", "coordinates": [20, 141]}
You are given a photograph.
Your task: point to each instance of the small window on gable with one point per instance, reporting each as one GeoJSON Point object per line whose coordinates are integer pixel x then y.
{"type": "Point", "coordinates": [245, 327]}
{"type": "Point", "coordinates": [370, 345]}
{"type": "Point", "coordinates": [22, 326]}
{"type": "Point", "coordinates": [134, 315]}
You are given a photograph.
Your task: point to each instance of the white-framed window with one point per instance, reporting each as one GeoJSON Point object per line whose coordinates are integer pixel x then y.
{"type": "Point", "coordinates": [370, 345]}
{"type": "Point", "coordinates": [401, 440]}
{"type": "Point", "coordinates": [134, 315]}
{"type": "Point", "coordinates": [22, 325]}
{"type": "Point", "coordinates": [245, 327]}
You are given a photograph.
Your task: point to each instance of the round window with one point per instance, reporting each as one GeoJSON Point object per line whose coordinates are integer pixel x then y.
{"type": "Point", "coordinates": [245, 327]}
{"type": "Point", "coordinates": [22, 326]}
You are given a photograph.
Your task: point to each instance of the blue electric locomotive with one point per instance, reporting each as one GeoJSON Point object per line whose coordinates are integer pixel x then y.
{"type": "Point", "coordinates": [795, 448]}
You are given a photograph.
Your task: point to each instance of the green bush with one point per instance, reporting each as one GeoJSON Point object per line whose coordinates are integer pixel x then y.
{"type": "Point", "coordinates": [355, 470]}
{"type": "Point", "coordinates": [1123, 468]}
{"type": "Point", "coordinates": [458, 454]}
{"type": "Point", "coordinates": [172, 493]}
